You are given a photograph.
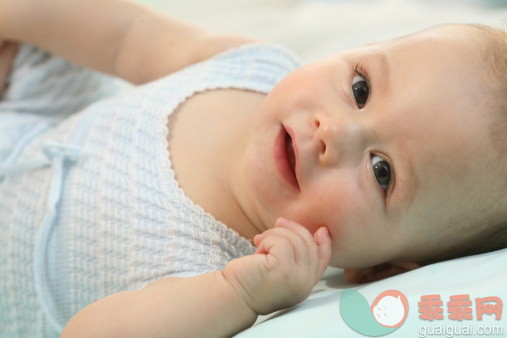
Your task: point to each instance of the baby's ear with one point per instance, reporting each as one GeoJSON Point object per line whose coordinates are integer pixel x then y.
{"type": "Point", "coordinates": [378, 272]}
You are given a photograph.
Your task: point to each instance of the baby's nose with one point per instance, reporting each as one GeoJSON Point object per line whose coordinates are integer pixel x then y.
{"type": "Point", "coordinates": [338, 138]}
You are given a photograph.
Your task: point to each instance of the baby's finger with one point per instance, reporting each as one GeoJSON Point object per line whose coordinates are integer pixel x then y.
{"type": "Point", "coordinates": [279, 250]}
{"type": "Point", "coordinates": [302, 232]}
{"type": "Point", "coordinates": [301, 255]}
{"type": "Point", "coordinates": [323, 240]}
{"type": "Point", "coordinates": [297, 228]}
{"type": "Point", "coordinates": [280, 222]}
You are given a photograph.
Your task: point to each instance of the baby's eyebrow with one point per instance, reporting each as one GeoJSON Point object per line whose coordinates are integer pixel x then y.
{"type": "Point", "coordinates": [378, 61]}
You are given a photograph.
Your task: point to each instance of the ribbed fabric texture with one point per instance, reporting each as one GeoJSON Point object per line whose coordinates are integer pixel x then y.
{"type": "Point", "coordinates": [122, 221]}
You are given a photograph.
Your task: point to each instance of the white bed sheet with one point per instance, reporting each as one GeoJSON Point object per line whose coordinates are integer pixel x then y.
{"type": "Point", "coordinates": [319, 316]}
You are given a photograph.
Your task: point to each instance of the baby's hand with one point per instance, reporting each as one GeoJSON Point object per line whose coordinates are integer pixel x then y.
{"type": "Point", "coordinates": [284, 269]}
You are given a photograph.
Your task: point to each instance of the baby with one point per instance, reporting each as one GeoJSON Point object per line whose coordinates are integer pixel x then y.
{"type": "Point", "coordinates": [377, 160]}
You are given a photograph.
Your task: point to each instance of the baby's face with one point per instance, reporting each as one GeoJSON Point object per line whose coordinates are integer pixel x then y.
{"type": "Point", "coordinates": [389, 141]}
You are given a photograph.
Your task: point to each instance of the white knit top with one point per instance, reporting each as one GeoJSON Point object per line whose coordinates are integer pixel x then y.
{"type": "Point", "coordinates": [89, 204]}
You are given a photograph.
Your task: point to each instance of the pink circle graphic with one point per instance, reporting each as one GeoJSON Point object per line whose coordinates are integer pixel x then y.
{"type": "Point", "coordinates": [390, 308]}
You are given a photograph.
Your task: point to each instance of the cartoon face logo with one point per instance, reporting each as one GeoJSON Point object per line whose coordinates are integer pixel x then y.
{"type": "Point", "coordinates": [390, 308]}
{"type": "Point", "coordinates": [386, 314]}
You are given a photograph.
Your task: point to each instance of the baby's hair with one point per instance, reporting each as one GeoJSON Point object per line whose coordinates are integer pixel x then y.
{"type": "Point", "coordinates": [488, 232]}
{"type": "Point", "coordinates": [495, 57]}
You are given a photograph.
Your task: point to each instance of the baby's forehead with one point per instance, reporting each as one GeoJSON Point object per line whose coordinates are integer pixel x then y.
{"type": "Point", "coordinates": [464, 39]}
{"type": "Point", "coordinates": [442, 54]}
{"type": "Point", "coordinates": [451, 32]}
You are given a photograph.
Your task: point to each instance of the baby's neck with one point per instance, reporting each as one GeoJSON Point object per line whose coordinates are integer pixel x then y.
{"type": "Point", "coordinates": [237, 208]}
{"type": "Point", "coordinates": [208, 137]}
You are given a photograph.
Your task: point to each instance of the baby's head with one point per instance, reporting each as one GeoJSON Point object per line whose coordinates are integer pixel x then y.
{"type": "Point", "coordinates": [479, 224]}
{"type": "Point", "coordinates": [401, 148]}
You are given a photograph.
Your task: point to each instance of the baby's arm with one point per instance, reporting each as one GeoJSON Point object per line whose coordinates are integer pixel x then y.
{"type": "Point", "coordinates": [117, 37]}
{"type": "Point", "coordinates": [282, 273]}
{"type": "Point", "coordinates": [201, 306]}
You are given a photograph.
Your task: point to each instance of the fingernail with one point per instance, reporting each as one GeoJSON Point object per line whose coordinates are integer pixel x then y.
{"type": "Point", "coordinates": [324, 231]}
{"type": "Point", "coordinates": [281, 220]}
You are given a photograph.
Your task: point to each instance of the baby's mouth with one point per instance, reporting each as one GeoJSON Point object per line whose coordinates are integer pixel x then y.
{"type": "Point", "coordinates": [285, 157]}
{"type": "Point", "coordinates": [291, 157]}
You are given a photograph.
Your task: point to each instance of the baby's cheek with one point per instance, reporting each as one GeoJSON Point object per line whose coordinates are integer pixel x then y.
{"type": "Point", "coordinates": [346, 219]}
{"type": "Point", "coordinates": [332, 211]}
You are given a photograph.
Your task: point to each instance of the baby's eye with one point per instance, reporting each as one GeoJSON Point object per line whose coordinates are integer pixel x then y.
{"type": "Point", "coordinates": [382, 171]}
{"type": "Point", "coordinates": [361, 90]}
